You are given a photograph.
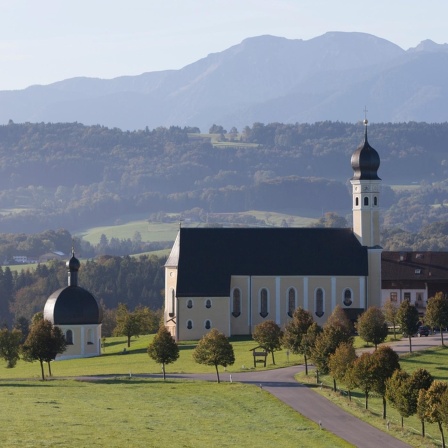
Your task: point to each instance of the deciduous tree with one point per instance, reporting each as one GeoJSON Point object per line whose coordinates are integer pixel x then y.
{"type": "Point", "coordinates": [407, 318]}
{"type": "Point", "coordinates": [372, 326]}
{"type": "Point", "coordinates": [43, 343]}
{"type": "Point", "coordinates": [437, 312]}
{"type": "Point", "coordinates": [163, 348]}
{"type": "Point", "coordinates": [294, 337]}
{"type": "Point", "coordinates": [390, 310]}
{"type": "Point", "coordinates": [214, 349]}
{"type": "Point", "coordinates": [269, 335]}
{"type": "Point", "coordinates": [340, 363]}
{"type": "Point", "coordinates": [10, 346]}
{"type": "Point", "coordinates": [364, 374]}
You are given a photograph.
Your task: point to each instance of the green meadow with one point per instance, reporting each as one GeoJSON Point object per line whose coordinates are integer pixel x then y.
{"type": "Point", "coordinates": [125, 410]}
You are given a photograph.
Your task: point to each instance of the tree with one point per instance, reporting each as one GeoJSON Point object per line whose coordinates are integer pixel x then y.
{"type": "Point", "coordinates": [294, 337]}
{"type": "Point", "coordinates": [340, 364]}
{"type": "Point", "coordinates": [407, 318]}
{"type": "Point", "coordinates": [390, 311]}
{"type": "Point", "coordinates": [129, 324]}
{"type": "Point", "coordinates": [163, 348]}
{"type": "Point", "coordinates": [437, 312]}
{"type": "Point", "coordinates": [214, 349]}
{"type": "Point", "coordinates": [420, 379]}
{"type": "Point", "coordinates": [269, 335]}
{"type": "Point", "coordinates": [364, 374]}
{"type": "Point", "coordinates": [43, 343]}
{"type": "Point", "coordinates": [10, 346]}
{"type": "Point", "coordinates": [338, 329]}
{"type": "Point", "coordinates": [399, 394]}
{"type": "Point", "coordinates": [386, 362]}
{"type": "Point", "coordinates": [372, 326]}
{"type": "Point", "coordinates": [431, 404]}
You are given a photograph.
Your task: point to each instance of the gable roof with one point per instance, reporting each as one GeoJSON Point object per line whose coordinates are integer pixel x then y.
{"type": "Point", "coordinates": [405, 266]}
{"type": "Point", "coordinates": [208, 257]}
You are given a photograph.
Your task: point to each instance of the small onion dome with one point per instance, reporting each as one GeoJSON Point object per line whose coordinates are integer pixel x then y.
{"type": "Point", "coordinates": [72, 305]}
{"type": "Point", "coordinates": [365, 161]}
{"type": "Point", "coordinates": [73, 264]}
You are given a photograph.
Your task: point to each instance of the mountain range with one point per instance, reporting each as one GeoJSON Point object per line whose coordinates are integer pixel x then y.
{"type": "Point", "coordinates": [263, 79]}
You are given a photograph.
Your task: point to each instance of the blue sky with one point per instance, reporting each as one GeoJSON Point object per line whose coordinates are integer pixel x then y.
{"type": "Point", "coordinates": [49, 40]}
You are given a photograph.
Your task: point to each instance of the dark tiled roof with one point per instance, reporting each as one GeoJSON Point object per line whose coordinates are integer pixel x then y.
{"type": "Point", "coordinates": [72, 305]}
{"type": "Point", "coordinates": [208, 257]}
{"type": "Point", "coordinates": [412, 266]}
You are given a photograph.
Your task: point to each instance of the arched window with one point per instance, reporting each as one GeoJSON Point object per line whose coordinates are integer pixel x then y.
{"type": "Point", "coordinates": [208, 325]}
{"type": "Point", "coordinates": [366, 201]}
{"type": "Point", "coordinates": [347, 297]}
{"type": "Point", "coordinates": [264, 303]}
{"type": "Point", "coordinates": [236, 303]}
{"type": "Point", "coordinates": [69, 337]}
{"type": "Point", "coordinates": [319, 301]}
{"type": "Point", "coordinates": [171, 309]}
{"type": "Point", "coordinates": [190, 324]}
{"type": "Point", "coordinates": [208, 303]}
{"type": "Point", "coordinates": [357, 201]}
{"type": "Point", "coordinates": [375, 201]}
{"type": "Point", "coordinates": [291, 301]}
{"type": "Point", "coordinates": [190, 304]}
{"type": "Point", "coordinates": [89, 336]}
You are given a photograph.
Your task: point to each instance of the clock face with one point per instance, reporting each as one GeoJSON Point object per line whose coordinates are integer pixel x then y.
{"type": "Point", "coordinates": [366, 188]}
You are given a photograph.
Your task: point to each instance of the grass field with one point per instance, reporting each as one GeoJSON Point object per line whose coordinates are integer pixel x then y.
{"type": "Point", "coordinates": [127, 411]}
{"type": "Point", "coordinates": [434, 360]}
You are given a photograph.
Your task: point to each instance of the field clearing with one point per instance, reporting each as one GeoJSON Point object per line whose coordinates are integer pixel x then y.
{"type": "Point", "coordinates": [150, 232]}
{"type": "Point", "coordinates": [410, 187]}
{"type": "Point", "coordinates": [126, 410]}
{"type": "Point", "coordinates": [154, 231]}
{"type": "Point", "coordinates": [434, 360]}
{"type": "Point", "coordinates": [137, 361]}
{"type": "Point", "coordinates": [140, 412]}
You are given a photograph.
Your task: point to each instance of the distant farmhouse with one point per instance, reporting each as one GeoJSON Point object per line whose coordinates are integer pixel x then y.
{"type": "Point", "coordinates": [235, 278]}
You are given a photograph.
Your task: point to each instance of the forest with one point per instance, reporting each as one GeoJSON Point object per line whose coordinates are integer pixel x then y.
{"type": "Point", "coordinates": [71, 176]}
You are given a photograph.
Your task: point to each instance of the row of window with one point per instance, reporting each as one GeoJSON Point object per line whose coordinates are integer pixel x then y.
{"type": "Point", "coordinates": [69, 339]}
{"type": "Point", "coordinates": [263, 299]}
{"type": "Point", "coordinates": [366, 201]}
{"type": "Point", "coordinates": [207, 324]}
{"type": "Point", "coordinates": [291, 304]}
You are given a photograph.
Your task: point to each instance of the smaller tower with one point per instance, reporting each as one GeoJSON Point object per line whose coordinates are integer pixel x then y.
{"type": "Point", "coordinates": [366, 213]}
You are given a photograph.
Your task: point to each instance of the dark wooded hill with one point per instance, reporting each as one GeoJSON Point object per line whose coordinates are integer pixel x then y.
{"type": "Point", "coordinates": [71, 176]}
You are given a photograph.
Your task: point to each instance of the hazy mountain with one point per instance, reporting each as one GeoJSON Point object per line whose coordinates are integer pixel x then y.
{"type": "Point", "coordinates": [265, 78]}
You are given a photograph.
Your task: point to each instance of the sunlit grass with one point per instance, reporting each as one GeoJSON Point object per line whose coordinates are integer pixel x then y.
{"type": "Point", "coordinates": [149, 413]}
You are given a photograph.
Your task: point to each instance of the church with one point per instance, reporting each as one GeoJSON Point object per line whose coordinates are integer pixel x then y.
{"type": "Point", "coordinates": [233, 279]}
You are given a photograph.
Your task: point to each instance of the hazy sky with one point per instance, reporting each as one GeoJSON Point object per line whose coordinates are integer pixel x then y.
{"type": "Point", "coordinates": [42, 41]}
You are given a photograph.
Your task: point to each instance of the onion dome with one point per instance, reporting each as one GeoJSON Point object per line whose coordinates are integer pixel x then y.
{"type": "Point", "coordinates": [72, 305]}
{"type": "Point", "coordinates": [365, 161]}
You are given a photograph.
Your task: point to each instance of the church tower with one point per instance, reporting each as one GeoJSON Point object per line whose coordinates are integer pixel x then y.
{"type": "Point", "coordinates": [366, 212]}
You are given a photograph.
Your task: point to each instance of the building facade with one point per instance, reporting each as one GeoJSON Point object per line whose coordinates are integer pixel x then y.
{"type": "Point", "coordinates": [232, 279]}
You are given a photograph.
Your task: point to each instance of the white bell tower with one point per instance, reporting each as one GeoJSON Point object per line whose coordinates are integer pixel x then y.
{"type": "Point", "coordinates": [366, 212]}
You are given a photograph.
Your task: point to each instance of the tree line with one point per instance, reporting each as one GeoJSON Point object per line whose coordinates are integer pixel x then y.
{"type": "Point", "coordinates": [101, 174]}
{"type": "Point", "coordinates": [135, 281]}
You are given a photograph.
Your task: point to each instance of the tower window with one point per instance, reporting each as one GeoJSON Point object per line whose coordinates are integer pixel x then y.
{"type": "Point", "coordinates": [264, 303]}
{"type": "Point", "coordinates": [356, 202]}
{"type": "Point", "coordinates": [375, 201]}
{"type": "Point", "coordinates": [208, 303]}
{"type": "Point", "coordinates": [190, 304]}
{"type": "Point", "coordinates": [291, 301]}
{"type": "Point", "coordinates": [171, 308]}
{"type": "Point", "coordinates": [208, 325]}
{"type": "Point", "coordinates": [236, 303]}
{"type": "Point", "coordinates": [366, 201]}
{"type": "Point", "coordinates": [89, 336]}
{"type": "Point", "coordinates": [190, 324]}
